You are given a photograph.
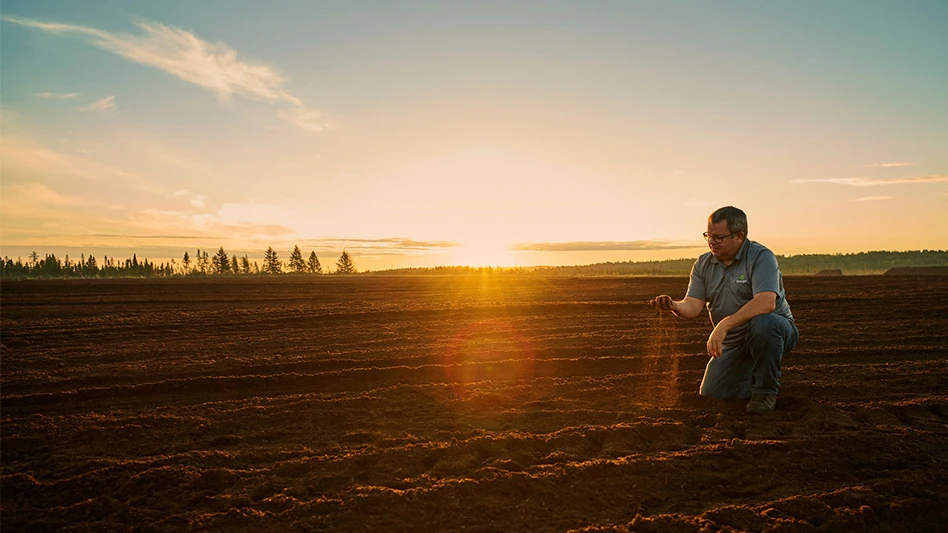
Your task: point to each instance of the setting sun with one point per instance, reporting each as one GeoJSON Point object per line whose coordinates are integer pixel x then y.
{"type": "Point", "coordinates": [484, 253]}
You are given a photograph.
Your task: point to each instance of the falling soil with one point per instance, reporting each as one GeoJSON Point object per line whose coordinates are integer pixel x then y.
{"type": "Point", "coordinates": [461, 403]}
{"type": "Point", "coordinates": [663, 360]}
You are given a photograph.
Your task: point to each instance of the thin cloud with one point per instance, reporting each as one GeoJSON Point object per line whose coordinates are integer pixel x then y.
{"type": "Point", "coordinates": [60, 96]}
{"type": "Point", "coordinates": [861, 181]}
{"type": "Point", "coordinates": [203, 224]}
{"type": "Point", "coordinates": [603, 246]}
{"type": "Point", "coordinates": [25, 156]}
{"type": "Point", "coordinates": [874, 198]}
{"type": "Point", "coordinates": [213, 66]}
{"type": "Point", "coordinates": [891, 165]}
{"type": "Point", "coordinates": [308, 119]}
{"type": "Point", "coordinates": [196, 200]}
{"type": "Point", "coordinates": [126, 236]}
{"type": "Point", "coordinates": [390, 244]}
{"type": "Point", "coordinates": [39, 194]}
{"type": "Point", "coordinates": [105, 104]}
{"type": "Point", "coordinates": [27, 207]}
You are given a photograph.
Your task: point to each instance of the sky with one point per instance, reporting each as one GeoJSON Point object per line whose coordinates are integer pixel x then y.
{"type": "Point", "coordinates": [488, 133]}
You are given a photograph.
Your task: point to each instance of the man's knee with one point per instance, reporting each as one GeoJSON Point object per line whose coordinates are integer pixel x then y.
{"type": "Point", "coordinates": [770, 330]}
{"type": "Point", "coordinates": [726, 378]}
{"type": "Point", "coordinates": [765, 325]}
{"type": "Point", "coordinates": [770, 334]}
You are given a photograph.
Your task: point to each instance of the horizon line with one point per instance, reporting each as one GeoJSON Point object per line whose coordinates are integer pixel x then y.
{"type": "Point", "coordinates": [43, 256]}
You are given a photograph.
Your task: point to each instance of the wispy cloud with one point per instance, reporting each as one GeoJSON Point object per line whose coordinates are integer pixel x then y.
{"type": "Point", "coordinates": [308, 119]}
{"type": "Point", "coordinates": [873, 198]}
{"type": "Point", "coordinates": [22, 156]}
{"type": "Point", "coordinates": [860, 181]}
{"type": "Point", "coordinates": [213, 66]}
{"type": "Point", "coordinates": [38, 194]}
{"type": "Point", "coordinates": [196, 200]}
{"type": "Point", "coordinates": [29, 209]}
{"type": "Point", "coordinates": [604, 246]}
{"type": "Point", "coordinates": [243, 221]}
{"type": "Point", "coordinates": [105, 104]}
{"type": "Point", "coordinates": [160, 221]}
{"type": "Point", "coordinates": [891, 165]}
{"type": "Point", "coordinates": [128, 236]}
{"type": "Point", "coordinates": [61, 96]}
{"type": "Point", "coordinates": [385, 246]}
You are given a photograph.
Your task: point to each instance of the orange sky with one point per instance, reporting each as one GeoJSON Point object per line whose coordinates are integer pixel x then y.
{"type": "Point", "coordinates": [482, 134]}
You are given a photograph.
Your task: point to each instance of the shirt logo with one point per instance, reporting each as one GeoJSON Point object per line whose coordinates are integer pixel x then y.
{"type": "Point", "coordinates": [742, 279]}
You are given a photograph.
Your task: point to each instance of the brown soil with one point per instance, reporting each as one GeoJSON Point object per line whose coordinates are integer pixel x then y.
{"type": "Point", "coordinates": [445, 404]}
{"type": "Point", "coordinates": [918, 271]}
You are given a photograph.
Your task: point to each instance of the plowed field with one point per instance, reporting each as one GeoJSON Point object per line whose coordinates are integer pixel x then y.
{"type": "Point", "coordinates": [464, 403]}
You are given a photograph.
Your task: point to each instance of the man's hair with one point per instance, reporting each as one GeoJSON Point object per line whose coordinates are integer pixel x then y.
{"type": "Point", "coordinates": [736, 219]}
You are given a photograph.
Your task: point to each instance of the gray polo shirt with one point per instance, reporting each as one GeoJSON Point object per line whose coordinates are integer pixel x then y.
{"type": "Point", "coordinates": [725, 289]}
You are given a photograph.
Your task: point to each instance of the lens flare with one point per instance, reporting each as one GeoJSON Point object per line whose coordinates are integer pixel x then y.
{"type": "Point", "coordinates": [484, 352]}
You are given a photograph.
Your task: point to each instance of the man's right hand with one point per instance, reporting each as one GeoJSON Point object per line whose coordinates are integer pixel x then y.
{"type": "Point", "coordinates": [664, 302]}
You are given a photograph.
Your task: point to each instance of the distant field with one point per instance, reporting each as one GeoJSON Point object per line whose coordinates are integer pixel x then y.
{"type": "Point", "coordinates": [441, 404]}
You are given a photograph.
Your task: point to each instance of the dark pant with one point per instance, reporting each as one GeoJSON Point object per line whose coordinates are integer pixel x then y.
{"type": "Point", "coordinates": [754, 365]}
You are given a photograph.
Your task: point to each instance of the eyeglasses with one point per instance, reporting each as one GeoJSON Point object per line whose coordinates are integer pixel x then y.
{"type": "Point", "coordinates": [714, 239]}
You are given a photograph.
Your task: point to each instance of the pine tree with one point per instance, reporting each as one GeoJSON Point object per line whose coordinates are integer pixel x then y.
{"type": "Point", "coordinates": [204, 261]}
{"type": "Point", "coordinates": [221, 262]}
{"type": "Point", "coordinates": [234, 267]}
{"type": "Point", "coordinates": [296, 260]}
{"type": "Point", "coordinates": [313, 265]}
{"type": "Point", "coordinates": [271, 262]}
{"type": "Point", "coordinates": [186, 263]}
{"type": "Point", "coordinates": [245, 265]}
{"type": "Point", "coordinates": [344, 265]}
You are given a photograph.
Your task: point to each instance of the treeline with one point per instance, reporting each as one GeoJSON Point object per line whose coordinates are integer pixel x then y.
{"type": "Point", "coordinates": [852, 263]}
{"type": "Point", "coordinates": [203, 264]}
{"type": "Point", "coordinates": [862, 262]}
{"type": "Point", "coordinates": [200, 264]}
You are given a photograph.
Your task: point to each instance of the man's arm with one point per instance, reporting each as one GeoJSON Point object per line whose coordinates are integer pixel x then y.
{"type": "Point", "coordinates": [692, 304]}
{"type": "Point", "coordinates": [761, 304]}
{"type": "Point", "coordinates": [686, 308]}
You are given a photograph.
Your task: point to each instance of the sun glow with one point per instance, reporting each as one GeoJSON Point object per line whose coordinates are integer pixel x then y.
{"type": "Point", "coordinates": [484, 253]}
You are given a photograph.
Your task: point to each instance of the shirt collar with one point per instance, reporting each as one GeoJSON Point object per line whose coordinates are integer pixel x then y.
{"type": "Point", "coordinates": [741, 254]}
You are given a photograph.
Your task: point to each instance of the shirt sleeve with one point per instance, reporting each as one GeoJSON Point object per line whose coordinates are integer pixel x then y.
{"type": "Point", "coordinates": [766, 275]}
{"type": "Point", "coordinates": [696, 287]}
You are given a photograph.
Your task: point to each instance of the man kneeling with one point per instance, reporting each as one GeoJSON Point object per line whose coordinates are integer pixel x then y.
{"type": "Point", "coordinates": [741, 285]}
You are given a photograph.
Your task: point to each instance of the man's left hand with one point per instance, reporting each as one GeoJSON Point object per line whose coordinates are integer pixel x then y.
{"type": "Point", "coordinates": [716, 340]}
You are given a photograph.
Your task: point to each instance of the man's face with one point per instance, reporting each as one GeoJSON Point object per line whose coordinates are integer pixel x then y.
{"type": "Point", "coordinates": [723, 244]}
